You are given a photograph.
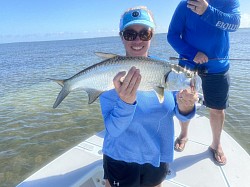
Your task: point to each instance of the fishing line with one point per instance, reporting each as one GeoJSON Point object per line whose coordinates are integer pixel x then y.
{"type": "Point", "coordinates": [239, 59]}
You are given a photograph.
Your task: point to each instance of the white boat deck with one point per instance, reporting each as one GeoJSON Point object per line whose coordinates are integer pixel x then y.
{"type": "Point", "coordinates": [82, 165]}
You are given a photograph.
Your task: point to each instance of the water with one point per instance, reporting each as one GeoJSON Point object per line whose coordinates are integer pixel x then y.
{"type": "Point", "coordinates": [32, 133]}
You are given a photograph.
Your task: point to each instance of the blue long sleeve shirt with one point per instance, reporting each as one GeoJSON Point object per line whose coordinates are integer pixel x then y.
{"type": "Point", "coordinates": [142, 132]}
{"type": "Point", "coordinates": [190, 33]}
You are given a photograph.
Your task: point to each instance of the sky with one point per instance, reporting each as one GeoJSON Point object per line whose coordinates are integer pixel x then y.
{"type": "Point", "coordinates": [45, 20]}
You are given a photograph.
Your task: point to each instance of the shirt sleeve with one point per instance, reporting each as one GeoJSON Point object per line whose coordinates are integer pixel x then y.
{"type": "Point", "coordinates": [116, 113]}
{"type": "Point", "coordinates": [175, 30]}
{"type": "Point", "coordinates": [227, 19]}
{"type": "Point", "coordinates": [187, 117]}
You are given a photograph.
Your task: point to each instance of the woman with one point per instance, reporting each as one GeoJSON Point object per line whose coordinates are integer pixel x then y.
{"type": "Point", "coordinates": [138, 144]}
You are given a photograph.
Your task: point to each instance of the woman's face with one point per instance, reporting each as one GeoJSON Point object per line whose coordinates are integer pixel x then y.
{"type": "Point", "coordinates": [137, 47]}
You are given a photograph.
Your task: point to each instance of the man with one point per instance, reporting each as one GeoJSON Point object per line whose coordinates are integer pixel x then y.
{"type": "Point", "coordinates": [199, 32]}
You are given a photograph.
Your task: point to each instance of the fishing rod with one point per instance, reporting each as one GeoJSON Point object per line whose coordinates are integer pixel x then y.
{"type": "Point", "coordinates": [239, 59]}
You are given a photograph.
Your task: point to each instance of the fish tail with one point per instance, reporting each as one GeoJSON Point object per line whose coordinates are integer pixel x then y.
{"type": "Point", "coordinates": [60, 82]}
{"type": "Point", "coordinates": [63, 93]}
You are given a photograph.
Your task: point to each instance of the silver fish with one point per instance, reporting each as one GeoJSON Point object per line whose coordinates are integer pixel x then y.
{"type": "Point", "coordinates": [156, 75]}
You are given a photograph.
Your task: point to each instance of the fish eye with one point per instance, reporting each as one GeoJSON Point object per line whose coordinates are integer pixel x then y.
{"type": "Point", "coordinates": [189, 74]}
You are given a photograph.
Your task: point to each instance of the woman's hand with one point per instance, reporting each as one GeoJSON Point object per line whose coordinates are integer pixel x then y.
{"type": "Point", "coordinates": [186, 100]}
{"type": "Point", "coordinates": [127, 88]}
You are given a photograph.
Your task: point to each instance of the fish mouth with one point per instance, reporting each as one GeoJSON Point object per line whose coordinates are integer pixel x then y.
{"type": "Point", "coordinates": [179, 80]}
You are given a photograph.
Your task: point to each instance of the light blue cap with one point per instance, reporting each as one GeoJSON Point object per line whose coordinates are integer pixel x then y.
{"type": "Point", "coordinates": [136, 16]}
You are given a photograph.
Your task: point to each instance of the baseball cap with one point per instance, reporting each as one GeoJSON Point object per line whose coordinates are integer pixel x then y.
{"type": "Point", "coordinates": [136, 16]}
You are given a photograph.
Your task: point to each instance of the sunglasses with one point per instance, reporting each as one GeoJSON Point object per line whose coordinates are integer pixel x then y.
{"type": "Point", "coordinates": [130, 35]}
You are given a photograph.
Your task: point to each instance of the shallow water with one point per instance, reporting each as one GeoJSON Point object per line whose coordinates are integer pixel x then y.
{"type": "Point", "coordinates": [32, 133]}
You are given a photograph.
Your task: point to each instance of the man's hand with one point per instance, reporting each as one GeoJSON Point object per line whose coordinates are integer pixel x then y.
{"type": "Point", "coordinates": [127, 88]}
{"type": "Point", "coordinates": [197, 6]}
{"type": "Point", "coordinates": [200, 58]}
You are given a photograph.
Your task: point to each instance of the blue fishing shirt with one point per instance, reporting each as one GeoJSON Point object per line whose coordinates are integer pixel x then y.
{"type": "Point", "coordinates": [142, 132]}
{"type": "Point", "coordinates": [190, 33]}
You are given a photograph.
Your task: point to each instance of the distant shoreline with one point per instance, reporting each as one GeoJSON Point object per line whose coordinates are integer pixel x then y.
{"type": "Point", "coordinates": [81, 38]}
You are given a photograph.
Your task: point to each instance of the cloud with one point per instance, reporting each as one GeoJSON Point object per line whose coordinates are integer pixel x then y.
{"type": "Point", "coordinates": [245, 21]}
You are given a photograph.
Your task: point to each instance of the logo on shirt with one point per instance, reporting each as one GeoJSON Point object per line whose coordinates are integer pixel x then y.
{"type": "Point", "coordinates": [226, 26]}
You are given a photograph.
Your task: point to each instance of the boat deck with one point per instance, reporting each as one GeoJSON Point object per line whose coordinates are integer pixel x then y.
{"type": "Point", "coordinates": [82, 165]}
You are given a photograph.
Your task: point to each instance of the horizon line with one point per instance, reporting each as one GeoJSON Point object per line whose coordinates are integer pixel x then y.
{"type": "Point", "coordinates": [90, 37]}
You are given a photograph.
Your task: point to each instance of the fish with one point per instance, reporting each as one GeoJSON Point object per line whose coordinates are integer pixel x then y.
{"type": "Point", "coordinates": [156, 74]}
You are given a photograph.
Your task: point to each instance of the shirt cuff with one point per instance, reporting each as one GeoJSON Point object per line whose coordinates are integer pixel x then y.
{"type": "Point", "coordinates": [187, 117]}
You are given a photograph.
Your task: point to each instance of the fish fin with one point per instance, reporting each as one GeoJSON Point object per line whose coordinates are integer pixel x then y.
{"type": "Point", "coordinates": [93, 94]}
{"type": "Point", "coordinates": [160, 93]}
{"type": "Point", "coordinates": [63, 93]}
{"type": "Point", "coordinates": [105, 55]}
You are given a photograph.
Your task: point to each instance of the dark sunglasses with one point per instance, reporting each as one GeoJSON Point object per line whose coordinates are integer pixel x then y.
{"type": "Point", "coordinates": [130, 35]}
